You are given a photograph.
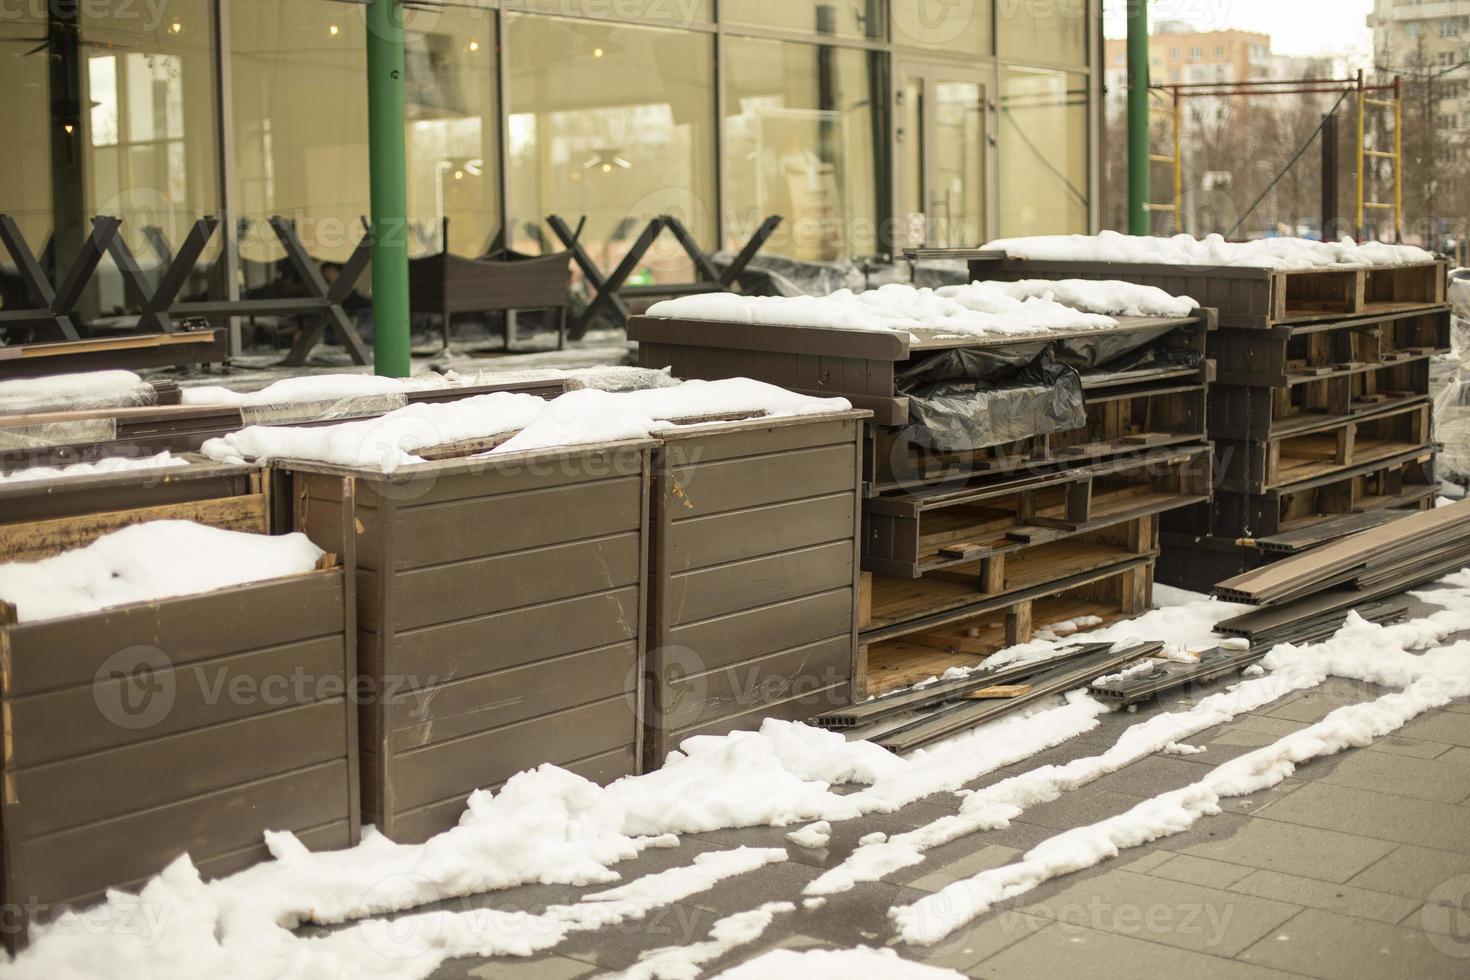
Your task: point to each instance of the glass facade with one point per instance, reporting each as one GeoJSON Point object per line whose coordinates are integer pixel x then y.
{"type": "Point", "coordinates": [517, 109]}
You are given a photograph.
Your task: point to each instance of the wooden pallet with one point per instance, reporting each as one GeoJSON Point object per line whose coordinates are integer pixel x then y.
{"type": "Point", "coordinates": [1250, 298]}
{"type": "Point", "coordinates": [1284, 355]}
{"type": "Point", "coordinates": [915, 533]}
{"type": "Point", "coordinates": [963, 636]}
{"type": "Point", "coordinates": [1336, 443]}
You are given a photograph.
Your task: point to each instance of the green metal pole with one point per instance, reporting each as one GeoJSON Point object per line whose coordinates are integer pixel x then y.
{"type": "Point", "coordinates": [1139, 192]}
{"type": "Point", "coordinates": [389, 184]}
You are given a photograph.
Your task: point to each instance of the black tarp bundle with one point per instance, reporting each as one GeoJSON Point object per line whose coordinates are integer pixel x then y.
{"type": "Point", "coordinates": [963, 399]}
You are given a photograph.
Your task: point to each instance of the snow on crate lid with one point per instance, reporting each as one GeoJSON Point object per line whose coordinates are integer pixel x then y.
{"type": "Point", "coordinates": [1029, 308]}
{"type": "Point", "coordinates": [1265, 253]}
{"type": "Point", "coordinates": [147, 562]}
{"type": "Point", "coordinates": [314, 388]}
{"type": "Point", "coordinates": [573, 419]}
{"type": "Point", "coordinates": [112, 464]}
{"type": "Point", "coordinates": [383, 443]}
{"type": "Point", "coordinates": [590, 416]}
{"type": "Point", "coordinates": [74, 391]}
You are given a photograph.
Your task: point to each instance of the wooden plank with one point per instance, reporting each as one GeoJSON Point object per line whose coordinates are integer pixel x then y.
{"type": "Point", "coordinates": [42, 539]}
{"type": "Point", "coordinates": [999, 691]}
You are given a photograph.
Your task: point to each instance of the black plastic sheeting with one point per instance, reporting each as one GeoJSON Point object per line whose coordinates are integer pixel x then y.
{"type": "Point", "coordinates": [970, 398]}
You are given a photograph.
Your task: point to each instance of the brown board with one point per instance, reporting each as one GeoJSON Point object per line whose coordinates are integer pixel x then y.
{"type": "Point", "coordinates": [753, 578]}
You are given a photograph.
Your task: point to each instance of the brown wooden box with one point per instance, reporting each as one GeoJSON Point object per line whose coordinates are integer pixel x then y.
{"type": "Point", "coordinates": [191, 724]}
{"type": "Point", "coordinates": [39, 518]}
{"type": "Point", "coordinates": [753, 578]}
{"type": "Point", "coordinates": [501, 611]}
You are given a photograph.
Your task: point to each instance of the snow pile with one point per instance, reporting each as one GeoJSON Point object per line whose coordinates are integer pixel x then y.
{"type": "Point", "coordinates": [812, 836]}
{"type": "Point", "coordinates": [1111, 297]}
{"type": "Point", "coordinates": [151, 561]}
{"type": "Point", "coordinates": [591, 416]}
{"type": "Point", "coordinates": [384, 443]}
{"type": "Point", "coordinates": [1214, 250]}
{"type": "Point", "coordinates": [91, 389]}
{"type": "Point", "coordinates": [314, 388]}
{"type": "Point", "coordinates": [985, 310]}
{"type": "Point", "coordinates": [112, 464]}
{"type": "Point", "coordinates": [835, 964]}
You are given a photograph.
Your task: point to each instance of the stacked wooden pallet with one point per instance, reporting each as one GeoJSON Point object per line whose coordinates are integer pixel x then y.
{"type": "Point", "coordinates": [1320, 409]}
{"type": "Point", "coordinates": [968, 551]}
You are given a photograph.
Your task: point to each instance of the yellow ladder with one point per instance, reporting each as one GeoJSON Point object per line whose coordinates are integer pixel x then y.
{"type": "Point", "coordinates": [1176, 161]}
{"type": "Point", "coordinates": [1365, 155]}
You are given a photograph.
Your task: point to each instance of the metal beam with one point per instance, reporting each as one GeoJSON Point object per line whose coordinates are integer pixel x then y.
{"type": "Point", "coordinates": [387, 169]}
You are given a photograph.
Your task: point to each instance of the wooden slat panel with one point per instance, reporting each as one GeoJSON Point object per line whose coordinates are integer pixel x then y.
{"type": "Point", "coordinates": [760, 531]}
{"type": "Point", "coordinates": [88, 859]}
{"type": "Point", "coordinates": [495, 525]}
{"type": "Point", "coordinates": [759, 581]}
{"type": "Point", "coordinates": [83, 719]}
{"type": "Point", "coordinates": [528, 635]}
{"type": "Point", "coordinates": [41, 539]}
{"type": "Point", "coordinates": [756, 438]}
{"type": "Point", "coordinates": [759, 480]}
{"type": "Point", "coordinates": [508, 697]}
{"type": "Point", "coordinates": [111, 784]}
{"type": "Point", "coordinates": [187, 629]}
{"type": "Point", "coordinates": [474, 588]}
{"type": "Point", "coordinates": [458, 479]}
{"type": "Point", "coordinates": [440, 771]}
{"type": "Point", "coordinates": [750, 633]}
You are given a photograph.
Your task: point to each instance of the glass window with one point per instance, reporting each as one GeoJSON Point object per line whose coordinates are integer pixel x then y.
{"type": "Point", "coordinates": [1043, 152]}
{"type": "Point", "coordinates": [945, 25]}
{"type": "Point", "coordinates": [25, 165]}
{"type": "Point", "coordinates": [151, 154]}
{"type": "Point", "coordinates": [831, 18]}
{"type": "Point", "coordinates": [449, 55]}
{"type": "Point", "coordinates": [615, 124]}
{"type": "Point", "coordinates": [300, 127]}
{"type": "Point", "coordinates": [800, 140]}
{"type": "Point", "coordinates": [1052, 31]}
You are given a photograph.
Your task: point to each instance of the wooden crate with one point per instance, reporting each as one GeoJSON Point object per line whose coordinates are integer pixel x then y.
{"type": "Point", "coordinates": [753, 575]}
{"type": "Point", "coordinates": [501, 614]}
{"type": "Point", "coordinates": [913, 533]}
{"type": "Point", "coordinates": [122, 754]}
{"type": "Point", "coordinates": [1286, 355]}
{"type": "Point", "coordinates": [1251, 298]}
{"type": "Point", "coordinates": [42, 517]}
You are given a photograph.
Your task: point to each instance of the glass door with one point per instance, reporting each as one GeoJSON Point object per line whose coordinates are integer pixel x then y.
{"type": "Point", "coordinates": [943, 136]}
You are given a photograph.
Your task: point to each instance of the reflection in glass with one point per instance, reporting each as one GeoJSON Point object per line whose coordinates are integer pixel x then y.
{"type": "Point", "coordinates": [801, 139]}
{"type": "Point", "coordinates": [613, 123]}
{"type": "Point", "coordinates": [1043, 152]}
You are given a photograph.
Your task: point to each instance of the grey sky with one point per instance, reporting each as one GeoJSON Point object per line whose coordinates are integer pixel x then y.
{"type": "Point", "coordinates": [1299, 27]}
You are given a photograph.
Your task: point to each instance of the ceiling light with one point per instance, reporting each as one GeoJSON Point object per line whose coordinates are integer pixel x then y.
{"type": "Point", "coordinates": [474, 45]}
{"type": "Point", "coordinates": [597, 52]}
{"type": "Point", "coordinates": [334, 30]}
{"type": "Point", "coordinates": [176, 28]}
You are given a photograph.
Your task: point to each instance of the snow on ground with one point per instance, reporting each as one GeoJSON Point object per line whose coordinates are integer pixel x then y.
{"type": "Point", "coordinates": [578, 417]}
{"type": "Point", "coordinates": [727, 934]}
{"type": "Point", "coordinates": [113, 464]}
{"type": "Point", "coordinates": [1214, 250]}
{"type": "Point", "coordinates": [812, 836]}
{"type": "Point", "coordinates": [835, 964]}
{"type": "Point", "coordinates": [150, 561]}
{"type": "Point", "coordinates": [1361, 651]}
